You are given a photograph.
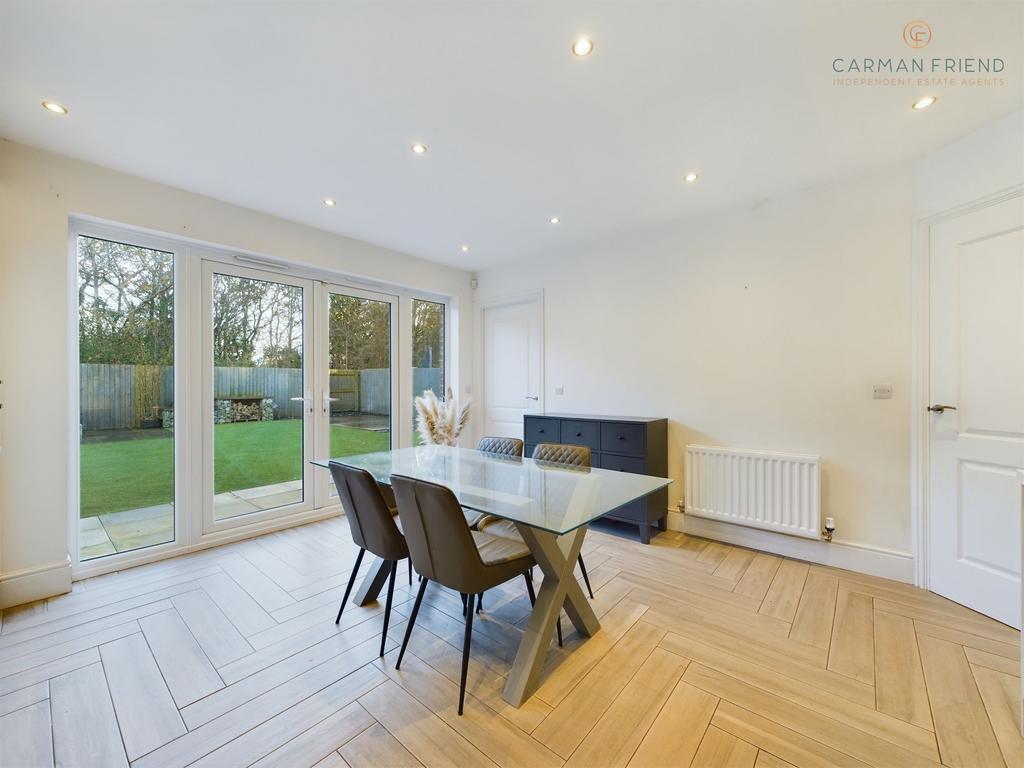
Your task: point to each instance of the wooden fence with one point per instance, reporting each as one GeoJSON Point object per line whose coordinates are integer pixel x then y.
{"type": "Point", "coordinates": [121, 396]}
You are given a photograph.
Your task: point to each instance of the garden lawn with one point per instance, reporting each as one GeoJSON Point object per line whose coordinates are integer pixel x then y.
{"type": "Point", "coordinates": [130, 474]}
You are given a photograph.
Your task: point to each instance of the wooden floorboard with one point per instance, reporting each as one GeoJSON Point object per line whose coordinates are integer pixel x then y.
{"type": "Point", "coordinates": [709, 656]}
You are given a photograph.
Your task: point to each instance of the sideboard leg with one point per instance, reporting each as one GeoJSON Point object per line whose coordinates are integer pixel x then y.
{"type": "Point", "coordinates": [645, 532]}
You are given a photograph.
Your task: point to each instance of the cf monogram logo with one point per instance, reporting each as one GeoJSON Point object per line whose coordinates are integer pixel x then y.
{"type": "Point", "coordinates": [917, 34]}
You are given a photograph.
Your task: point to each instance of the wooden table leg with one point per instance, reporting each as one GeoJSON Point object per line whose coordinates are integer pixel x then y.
{"type": "Point", "coordinates": [373, 582]}
{"type": "Point", "coordinates": [556, 557]}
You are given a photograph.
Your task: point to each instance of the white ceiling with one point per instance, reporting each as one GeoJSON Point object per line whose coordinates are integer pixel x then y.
{"type": "Point", "coordinates": [275, 106]}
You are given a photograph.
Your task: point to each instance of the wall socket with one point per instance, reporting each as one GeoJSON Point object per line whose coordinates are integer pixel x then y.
{"type": "Point", "coordinates": [559, 389]}
{"type": "Point", "coordinates": [882, 392]}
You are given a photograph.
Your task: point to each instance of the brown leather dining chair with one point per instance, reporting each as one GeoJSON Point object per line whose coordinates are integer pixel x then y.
{"type": "Point", "coordinates": [553, 453]}
{"type": "Point", "coordinates": [373, 526]}
{"type": "Point", "coordinates": [445, 550]}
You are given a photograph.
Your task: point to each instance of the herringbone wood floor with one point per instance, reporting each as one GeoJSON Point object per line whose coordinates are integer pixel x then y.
{"type": "Point", "coordinates": [710, 655]}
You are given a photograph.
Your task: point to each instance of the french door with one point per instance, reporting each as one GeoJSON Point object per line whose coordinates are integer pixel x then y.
{"type": "Point", "coordinates": [258, 395]}
{"type": "Point", "coordinates": [357, 379]}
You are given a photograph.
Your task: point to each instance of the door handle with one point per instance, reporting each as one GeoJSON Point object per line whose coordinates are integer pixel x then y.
{"type": "Point", "coordinates": [941, 408]}
{"type": "Point", "coordinates": [532, 397]}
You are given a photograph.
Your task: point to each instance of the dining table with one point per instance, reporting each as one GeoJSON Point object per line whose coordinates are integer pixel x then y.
{"type": "Point", "coordinates": [552, 505]}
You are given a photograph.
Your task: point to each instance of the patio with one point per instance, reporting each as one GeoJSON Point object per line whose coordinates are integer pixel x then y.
{"type": "Point", "coordinates": [135, 528]}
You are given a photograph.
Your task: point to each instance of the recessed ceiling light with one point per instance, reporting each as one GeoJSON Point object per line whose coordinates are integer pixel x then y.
{"type": "Point", "coordinates": [53, 106]}
{"type": "Point", "coordinates": [583, 46]}
{"type": "Point", "coordinates": [465, 249]}
{"type": "Point", "coordinates": [925, 102]}
{"type": "Point", "coordinates": [554, 219]}
{"type": "Point", "coordinates": [419, 149]}
{"type": "Point", "coordinates": [329, 203]}
{"type": "Point", "coordinates": [691, 177]}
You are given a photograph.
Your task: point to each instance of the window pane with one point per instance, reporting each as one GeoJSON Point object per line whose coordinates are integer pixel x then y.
{"type": "Point", "coordinates": [257, 395]}
{"type": "Point", "coordinates": [427, 353]}
{"type": "Point", "coordinates": [126, 396]}
{"type": "Point", "coordinates": [360, 363]}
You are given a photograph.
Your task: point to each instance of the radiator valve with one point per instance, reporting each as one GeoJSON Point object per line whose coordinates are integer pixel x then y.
{"type": "Point", "coordinates": [830, 528]}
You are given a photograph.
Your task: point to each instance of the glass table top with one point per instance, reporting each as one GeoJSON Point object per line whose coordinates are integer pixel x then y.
{"type": "Point", "coordinates": [549, 496]}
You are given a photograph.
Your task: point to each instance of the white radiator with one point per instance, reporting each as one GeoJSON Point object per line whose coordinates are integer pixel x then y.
{"type": "Point", "coordinates": [773, 491]}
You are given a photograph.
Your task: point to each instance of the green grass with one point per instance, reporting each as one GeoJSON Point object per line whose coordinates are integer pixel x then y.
{"type": "Point", "coordinates": [130, 474]}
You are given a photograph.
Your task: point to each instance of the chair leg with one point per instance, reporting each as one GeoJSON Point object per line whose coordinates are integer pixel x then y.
{"type": "Point", "coordinates": [410, 571]}
{"type": "Point", "coordinates": [586, 578]}
{"type": "Point", "coordinates": [351, 581]}
{"type": "Point", "coordinates": [463, 596]}
{"type": "Point", "coordinates": [533, 599]}
{"type": "Point", "coordinates": [387, 605]}
{"type": "Point", "coordinates": [412, 621]}
{"type": "Point", "coordinates": [479, 602]}
{"type": "Point", "coordinates": [465, 650]}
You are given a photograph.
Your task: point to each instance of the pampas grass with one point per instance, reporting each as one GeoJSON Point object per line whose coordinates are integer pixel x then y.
{"type": "Point", "coordinates": [440, 422]}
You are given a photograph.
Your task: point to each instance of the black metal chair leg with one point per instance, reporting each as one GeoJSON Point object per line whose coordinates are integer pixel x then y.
{"type": "Point", "coordinates": [351, 581]}
{"type": "Point", "coordinates": [465, 649]}
{"type": "Point", "coordinates": [387, 605]}
{"type": "Point", "coordinates": [586, 579]}
{"type": "Point", "coordinates": [479, 602]}
{"type": "Point", "coordinates": [410, 571]}
{"type": "Point", "coordinates": [412, 621]}
{"type": "Point", "coordinates": [463, 596]}
{"type": "Point", "coordinates": [533, 599]}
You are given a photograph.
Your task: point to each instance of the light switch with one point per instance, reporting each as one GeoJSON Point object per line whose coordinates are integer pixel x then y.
{"type": "Point", "coordinates": [882, 392]}
{"type": "Point", "coordinates": [559, 389]}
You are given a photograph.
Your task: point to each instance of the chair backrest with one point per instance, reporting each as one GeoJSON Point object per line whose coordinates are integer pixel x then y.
{"type": "Point", "coordinates": [440, 543]}
{"type": "Point", "coordinates": [369, 518]}
{"type": "Point", "coordinates": [501, 446]}
{"type": "Point", "coordinates": [570, 455]}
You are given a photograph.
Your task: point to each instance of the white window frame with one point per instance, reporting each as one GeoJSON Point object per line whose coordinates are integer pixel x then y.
{"type": "Point", "coordinates": [188, 387]}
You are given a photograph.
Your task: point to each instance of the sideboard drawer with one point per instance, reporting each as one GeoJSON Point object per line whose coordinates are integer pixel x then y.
{"type": "Point", "coordinates": [619, 437]}
{"type": "Point", "coordinates": [581, 433]}
{"type": "Point", "coordinates": [537, 429]}
{"type": "Point", "coordinates": [633, 464]}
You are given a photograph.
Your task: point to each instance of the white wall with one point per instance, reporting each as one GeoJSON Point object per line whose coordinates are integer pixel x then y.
{"type": "Point", "coordinates": [38, 193]}
{"type": "Point", "coordinates": [982, 163]}
{"type": "Point", "coordinates": [756, 328]}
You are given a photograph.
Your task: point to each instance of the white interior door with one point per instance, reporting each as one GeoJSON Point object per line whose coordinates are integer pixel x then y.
{"type": "Point", "coordinates": [512, 360]}
{"type": "Point", "coordinates": [977, 442]}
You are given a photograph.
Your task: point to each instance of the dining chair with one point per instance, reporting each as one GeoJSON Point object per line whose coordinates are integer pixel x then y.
{"type": "Point", "coordinates": [494, 446]}
{"type": "Point", "coordinates": [374, 528]}
{"type": "Point", "coordinates": [553, 453]}
{"type": "Point", "coordinates": [445, 550]}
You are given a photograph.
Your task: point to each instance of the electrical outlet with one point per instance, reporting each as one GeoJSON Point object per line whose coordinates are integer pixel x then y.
{"type": "Point", "coordinates": [882, 392]}
{"type": "Point", "coordinates": [559, 390]}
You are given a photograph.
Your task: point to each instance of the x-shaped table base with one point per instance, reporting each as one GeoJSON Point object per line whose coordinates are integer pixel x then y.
{"type": "Point", "coordinates": [556, 557]}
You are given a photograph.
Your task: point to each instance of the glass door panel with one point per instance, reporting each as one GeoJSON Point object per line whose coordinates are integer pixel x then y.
{"type": "Point", "coordinates": [126, 396]}
{"type": "Point", "coordinates": [259, 404]}
{"type": "Point", "coordinates": [358, 397]}
{"type": "Point", "coordinates": [427, 354]}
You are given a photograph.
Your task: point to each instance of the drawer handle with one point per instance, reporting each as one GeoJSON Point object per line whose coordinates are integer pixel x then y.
{"type": "Point", "coordinates": [621, 437]}
{"type": "Point", "coordinates": [540, 431]}
{"type": "Point", "coordinates": [579, 434]}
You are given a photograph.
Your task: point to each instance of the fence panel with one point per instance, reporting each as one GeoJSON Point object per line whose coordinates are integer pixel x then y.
{"type": "Point", "coordinates": [109, 397]}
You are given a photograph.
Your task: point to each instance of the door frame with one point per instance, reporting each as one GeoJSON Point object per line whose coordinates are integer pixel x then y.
{"type": "Point", "coordinates": [920, 425]}
{"type": "Point", "coordinates": [494, 302]}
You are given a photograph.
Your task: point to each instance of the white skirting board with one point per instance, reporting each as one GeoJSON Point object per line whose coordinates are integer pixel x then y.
{"type": "Point", "coordinates": [888, 564]}
{"type": "Point", "coordinates": [30, 584]}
